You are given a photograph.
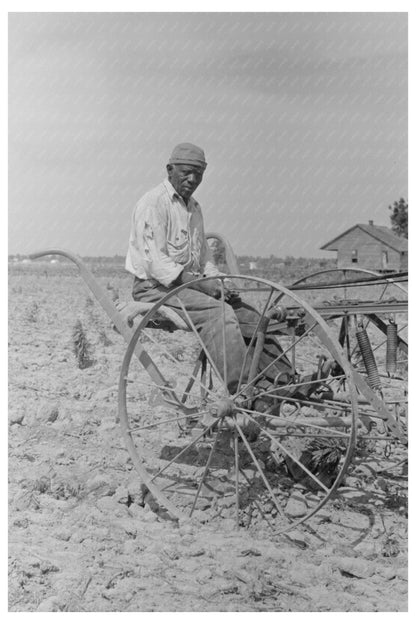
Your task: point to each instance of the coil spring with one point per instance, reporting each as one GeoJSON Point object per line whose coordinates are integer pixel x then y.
{"type": "Point", "coordinates": [368, 357]}
{"type": "Point", "coordinates": [391, 348]}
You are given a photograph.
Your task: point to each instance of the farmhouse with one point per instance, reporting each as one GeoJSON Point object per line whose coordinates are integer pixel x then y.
{"type": "Point", "coordinates": [370, 246]}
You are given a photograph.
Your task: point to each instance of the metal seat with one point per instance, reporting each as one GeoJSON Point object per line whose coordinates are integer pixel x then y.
{"type": "Point", "coordinates": [166, 318]}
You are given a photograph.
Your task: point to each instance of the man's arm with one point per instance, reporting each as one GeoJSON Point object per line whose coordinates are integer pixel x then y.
{"type": "Point", "coordinates": [150, 227]}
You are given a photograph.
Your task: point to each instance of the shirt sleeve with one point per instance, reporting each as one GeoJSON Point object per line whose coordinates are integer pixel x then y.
{"type": "Point", "coordinates": [151, 238]}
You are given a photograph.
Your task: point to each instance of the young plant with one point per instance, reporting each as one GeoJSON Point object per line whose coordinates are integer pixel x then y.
{"type": "Point", "coordinates": [81, 346]}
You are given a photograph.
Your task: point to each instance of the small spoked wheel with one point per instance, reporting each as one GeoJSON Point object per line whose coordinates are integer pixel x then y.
{"type": "Point", "coordinates": [270, 450]}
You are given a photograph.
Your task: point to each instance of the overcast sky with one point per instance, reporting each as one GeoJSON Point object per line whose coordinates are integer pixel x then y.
{"type": "Point", "coordinates": [303, 119]}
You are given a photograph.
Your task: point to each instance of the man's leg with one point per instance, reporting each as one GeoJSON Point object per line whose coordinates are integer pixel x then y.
{"type": "Point", "coordinates": [206, 313]}
{"type": "Point", "coordinates": [248, 319]}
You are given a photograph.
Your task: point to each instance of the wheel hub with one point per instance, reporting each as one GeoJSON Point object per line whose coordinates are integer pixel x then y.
{"type": "Point", "coordinates": [225, 407]}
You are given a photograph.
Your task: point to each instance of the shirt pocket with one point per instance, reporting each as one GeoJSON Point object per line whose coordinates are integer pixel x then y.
{"type": "Point", "coordinates": [178, 247]}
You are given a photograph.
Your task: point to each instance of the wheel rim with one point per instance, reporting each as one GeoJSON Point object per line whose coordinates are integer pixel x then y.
{"type": "Point", "coordinates": [202, 451]}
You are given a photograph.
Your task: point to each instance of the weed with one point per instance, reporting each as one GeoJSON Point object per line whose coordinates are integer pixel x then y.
{"type": "Point", "coordinates": [366, 447]}
{"type": "Point", "coordinates": [325, 454]}
{"type": "Point", "coordinates": [390, 546]}
{"type": "Point", "coordinates": [67, 489]}
{"type": "Point", "coordinates": [398, 501]}
{"type": "Point", "coordinates": [32, 313]}
{"type": "Point", "coordinates": [42, 485]}
{"type": "Point", "coordinates": [321, 457]}
{"type": "Point", "coordinates": [81, 346]}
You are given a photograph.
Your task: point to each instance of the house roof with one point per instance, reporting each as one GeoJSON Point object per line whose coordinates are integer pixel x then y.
{"type": "Point", "coordinates": [379, 232]}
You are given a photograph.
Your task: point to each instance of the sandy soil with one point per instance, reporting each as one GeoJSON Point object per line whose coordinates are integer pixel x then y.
{"type": "Point", "coordinates": [79, 539]}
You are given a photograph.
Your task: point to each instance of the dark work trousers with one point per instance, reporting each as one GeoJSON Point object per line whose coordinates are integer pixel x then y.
{"type": "Point", "coordinates": [206, 313]}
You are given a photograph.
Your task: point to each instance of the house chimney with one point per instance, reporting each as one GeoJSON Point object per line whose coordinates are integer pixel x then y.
{"type": "Point", "coordinates": [371, 222]}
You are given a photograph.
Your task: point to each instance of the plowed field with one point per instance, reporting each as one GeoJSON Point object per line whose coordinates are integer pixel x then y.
{"type": "Point", "coordinates": [79, 537]}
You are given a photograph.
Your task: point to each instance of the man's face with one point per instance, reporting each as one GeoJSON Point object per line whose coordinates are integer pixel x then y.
{"type": "Point", "coordinates": [185, 179]}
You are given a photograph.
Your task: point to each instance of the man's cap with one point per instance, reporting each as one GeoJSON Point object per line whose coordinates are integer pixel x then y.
{"type": "Point", "coordinates": [188, 154]}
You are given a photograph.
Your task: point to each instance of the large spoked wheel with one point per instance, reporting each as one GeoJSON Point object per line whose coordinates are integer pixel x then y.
{"type": "Point", "coordinates": [372, 329]}
{"type": "Point", "coordinates": [269, 453]}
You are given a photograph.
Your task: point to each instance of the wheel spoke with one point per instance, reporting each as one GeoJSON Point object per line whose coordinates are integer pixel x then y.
{"type": "Point", "coordinates": [176, 361]}
{"type": "Point", "coordinates": [236, 468]}
{"type": "Point", "coordinates": [224, 342]}
{"type": "Point", "coordinates": [258, 507]}
{"type": "Point", "coordinates": [185, 449]}
{"type": "Point", "coordinates": [293, 423]}
{"type": "Point", "coordinates": [207, 465]}
{"type": "Point", "coordinates": [201, 342]}
{"type": "Point", "coordinates": [277, 359]}
{"type": "Point", "coordinates": [265, 481]}
{"type": "Point", "coordinates": [165, 422]}
{"type": "Point", "coordinates": [295, 386]}
{"type": "Point", "coordinates": [165, 388]}
{"type": "Point", "coordinates": [252, 338]}
{"type": "Point", "coordinates": [160, 346]}
{"type": "Point", "coordinates": [193, 378]}
{"type": "Point", "coordinates": [315, 436]}
{"type": "Point", "coordinates": [329, 403]}
{"type": "Point", "coordinates": [292, 457]}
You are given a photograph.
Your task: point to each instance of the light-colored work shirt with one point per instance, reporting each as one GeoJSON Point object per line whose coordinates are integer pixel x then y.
{"type": "Point", "coordinates": [167, 236]}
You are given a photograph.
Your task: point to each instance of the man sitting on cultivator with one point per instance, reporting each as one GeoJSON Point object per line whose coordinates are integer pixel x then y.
{"type": "Point", "coordinates": [167, 247]}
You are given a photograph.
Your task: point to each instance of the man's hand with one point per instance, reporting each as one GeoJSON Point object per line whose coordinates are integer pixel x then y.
{"type": "Point", "coordinates": [209, 287]}
{"type": "Point", "coordinates": [231, 292]}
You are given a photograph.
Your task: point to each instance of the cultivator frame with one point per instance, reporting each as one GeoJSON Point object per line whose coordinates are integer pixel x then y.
{"type": "Point", "coordinates": [207, 414]}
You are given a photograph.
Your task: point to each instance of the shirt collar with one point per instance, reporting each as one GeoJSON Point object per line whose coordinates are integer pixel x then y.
{"type": "Point", "coordinates": [174, 195]}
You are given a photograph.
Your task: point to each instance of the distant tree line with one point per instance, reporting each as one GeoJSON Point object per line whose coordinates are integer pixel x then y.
{"type": "Point", "coordinates": [264, 266]}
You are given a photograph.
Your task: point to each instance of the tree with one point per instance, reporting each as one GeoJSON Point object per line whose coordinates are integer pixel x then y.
{"type": "Point", "coordinates": [398, 217]}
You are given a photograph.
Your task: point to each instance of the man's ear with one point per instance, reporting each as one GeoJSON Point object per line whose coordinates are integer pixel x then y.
{"type": "Point", "coordinates": [169, 168]}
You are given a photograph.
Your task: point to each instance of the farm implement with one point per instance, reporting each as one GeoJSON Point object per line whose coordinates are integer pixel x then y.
{"type": "Point", "coordinates": [274, 453]}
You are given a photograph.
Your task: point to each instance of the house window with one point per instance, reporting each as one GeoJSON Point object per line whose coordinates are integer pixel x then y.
{"type": "Point", "coordinates": [354, 256]}
{"type": "Point", "coordinates": [385, 258]}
